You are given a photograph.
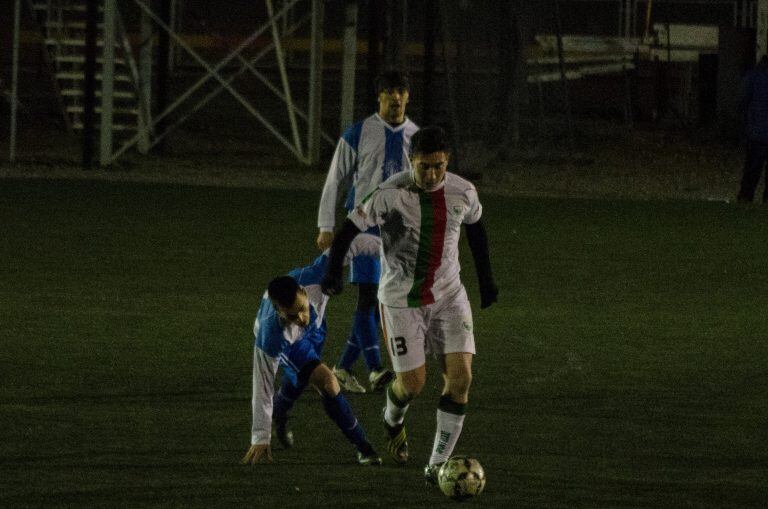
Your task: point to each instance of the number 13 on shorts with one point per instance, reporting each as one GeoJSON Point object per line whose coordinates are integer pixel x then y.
{"type": "Point", "coordinates": [404, 330]}
{"type": "Point", "coordinates": [440, 328]}
{"type": "Point", "coordinates": [398, 345]}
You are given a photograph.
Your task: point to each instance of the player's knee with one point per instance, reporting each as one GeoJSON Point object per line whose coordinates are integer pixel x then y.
{"type": "Point", "coordinates": [412, 382]}
{"type": "Point", "coordinates": [458, 384]}
{"type": "Point", "coordinates": [324, 382]}
{"type": "Point", "coordinates": [331, 386]}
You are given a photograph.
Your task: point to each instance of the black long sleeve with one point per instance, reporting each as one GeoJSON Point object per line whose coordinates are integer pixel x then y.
{"type": "Point", "coordinates": [332, 281]}
{"type": "Point", "coordinates": [478, 244]}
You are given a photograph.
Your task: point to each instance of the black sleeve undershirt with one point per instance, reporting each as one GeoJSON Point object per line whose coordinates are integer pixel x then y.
{"type": "Point", "coordinates": [478, 244]}
{"type": "Point", "coordinates": [341, 242]}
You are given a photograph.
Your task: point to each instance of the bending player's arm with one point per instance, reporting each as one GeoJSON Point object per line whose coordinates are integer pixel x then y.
{"type": "Point", "coordinates": [478, 244]}
{"type": "Point", "coordinates": [342, 166]}
{"type": "Point", "coordinates": [264, 369]}
{"type": "Point", "coordinates": [332, 282]}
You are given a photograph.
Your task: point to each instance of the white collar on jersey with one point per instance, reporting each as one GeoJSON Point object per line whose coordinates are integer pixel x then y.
{"type": "Point", "coordinates": [390, 126]}
{"type": "Point", "coordinates": [437, 187]}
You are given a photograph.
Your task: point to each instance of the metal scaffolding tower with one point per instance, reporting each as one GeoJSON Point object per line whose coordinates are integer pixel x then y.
{"type": "Point", "coordinates": [303, 141]}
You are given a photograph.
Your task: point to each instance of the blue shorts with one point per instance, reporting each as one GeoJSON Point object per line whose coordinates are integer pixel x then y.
{"type": "Point", "coordinates": [365, 266]}
{"type": "Point", "coordinates": [365, 269]}
{"type": "Point", "coordinates": [294, 357]}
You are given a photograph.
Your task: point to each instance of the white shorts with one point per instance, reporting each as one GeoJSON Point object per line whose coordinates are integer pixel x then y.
{"type": "Point", "coordinates": [439, 328]}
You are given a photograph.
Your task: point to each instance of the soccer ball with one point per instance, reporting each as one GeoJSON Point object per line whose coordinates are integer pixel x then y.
{"type": "Point", "coordinates": [461, 477]}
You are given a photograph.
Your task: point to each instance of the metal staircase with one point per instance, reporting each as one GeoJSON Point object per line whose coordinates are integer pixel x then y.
{"type": "Point", "coordinates": [64, 25]}
{"type": "Point", "coordinates": [124, 96]}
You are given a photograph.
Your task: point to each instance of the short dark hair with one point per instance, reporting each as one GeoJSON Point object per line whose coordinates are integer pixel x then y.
{"type": "Point", "coordinates": [283, 290]}
{"type": "Point", "coordinates": [392, 79]}
{"type": "Point", "coordinates": [429, 140]}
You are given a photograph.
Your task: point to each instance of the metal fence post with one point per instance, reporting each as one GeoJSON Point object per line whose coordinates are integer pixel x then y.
{"type": "Point", "coordinates": [15, 78]}
{"type": "Point", "coordinates": [89, 85]}
{"type": "Point", "coordinates": [348, 66]}
{"type": "Point", "coordinates": [107, 82]}
{"type": "Point", "coordinates": [145, 81]}
{"type": "Point", "coordinates": [315, 83]}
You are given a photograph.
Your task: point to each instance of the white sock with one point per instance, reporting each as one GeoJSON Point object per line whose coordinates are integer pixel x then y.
{"type": "Point", "coordinates": [447, 434]}
{"type": "Point", "coordinates": [393, 414]}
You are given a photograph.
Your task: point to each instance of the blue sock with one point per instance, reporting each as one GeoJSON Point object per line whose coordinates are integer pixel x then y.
{"type": "Point", "coordinates": [350, 354]}
{"type": "Point", "coordinates": [367, 334]}
{"type": "Point", "coordinates": [284, 398]}
{"type": "Point", "coordinates": [340, 412]}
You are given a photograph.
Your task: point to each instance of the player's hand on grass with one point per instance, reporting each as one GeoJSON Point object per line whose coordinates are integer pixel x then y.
{"type": "Point", "coordinates": [332, 284]}
{"type": "Point", "coordinates": [324, 240]}
{"type": "Point", "coordinates": [488, 295]}
{"type": "Point", "coordinates": [258, 453]}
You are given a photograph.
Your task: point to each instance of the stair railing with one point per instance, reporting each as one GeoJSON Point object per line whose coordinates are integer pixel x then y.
{"type": "Point", "coordinates": [144, 110]}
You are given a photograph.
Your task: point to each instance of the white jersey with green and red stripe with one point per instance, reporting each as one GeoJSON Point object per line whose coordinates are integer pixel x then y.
{"type": "Point", "coordinates": [420, 236]}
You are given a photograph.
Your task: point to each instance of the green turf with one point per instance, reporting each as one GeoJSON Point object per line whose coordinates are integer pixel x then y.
{"type": "Point", "coordinates": [624, 366]}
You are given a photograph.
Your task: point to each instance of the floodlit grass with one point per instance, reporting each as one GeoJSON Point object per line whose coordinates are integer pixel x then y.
{"type": "Point", "coordinates": [624, 366]}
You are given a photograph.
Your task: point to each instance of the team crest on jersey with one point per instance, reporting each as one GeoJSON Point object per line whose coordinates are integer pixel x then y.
{"type": "Point", "coordinates": [456, 210]}
{"type": "Point", "coordinates": [467, 325]}
{"type": "Point", "coordinates": [361, 212]}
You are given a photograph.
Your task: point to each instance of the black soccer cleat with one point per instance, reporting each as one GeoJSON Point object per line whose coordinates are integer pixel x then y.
{"type": "Point", "coordinates": [397, 443]}
{"type": "Point", "coordinates": [430, 473]}
{"type": "Point", "coordinates": [379, 379]}
{"type": "Point", "coordinates": [284, 435]}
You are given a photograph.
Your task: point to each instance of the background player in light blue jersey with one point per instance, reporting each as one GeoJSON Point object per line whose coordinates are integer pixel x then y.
{"type": "Point", "coordinates": [290, 331]}
{"type": "Point", "coordinates": [368, 153]}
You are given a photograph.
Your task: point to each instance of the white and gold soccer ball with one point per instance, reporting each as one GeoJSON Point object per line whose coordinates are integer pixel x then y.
{"type": "Point", "coordinates": [461, 477]}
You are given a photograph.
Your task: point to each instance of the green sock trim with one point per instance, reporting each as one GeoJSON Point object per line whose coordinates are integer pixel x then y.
{"type": "Point", "coordinates": [394, 399]}
{"type": "Point", "coordinates": [448, 405]}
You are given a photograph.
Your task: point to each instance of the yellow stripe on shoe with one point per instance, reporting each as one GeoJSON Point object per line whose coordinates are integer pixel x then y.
{"type": "Point", "coordinates": [397, 445]}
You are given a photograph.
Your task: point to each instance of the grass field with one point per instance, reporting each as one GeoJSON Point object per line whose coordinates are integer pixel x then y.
{"type": "Point", "coordinates": [626, 364]}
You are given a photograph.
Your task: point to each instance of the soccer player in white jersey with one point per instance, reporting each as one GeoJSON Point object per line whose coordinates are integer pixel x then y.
{"type": "Point", "coordinates": [424, 306]}
{"type": "Point", "coordinates": [290, 331]}
{"type": "Point", "coordinates": [368, 153]}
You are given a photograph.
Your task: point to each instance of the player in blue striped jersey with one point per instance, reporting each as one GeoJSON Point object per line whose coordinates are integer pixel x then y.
{"type": "Point", "coordinates": [289, 331]}
{"type": "Point", "coordinates": [368, 153]}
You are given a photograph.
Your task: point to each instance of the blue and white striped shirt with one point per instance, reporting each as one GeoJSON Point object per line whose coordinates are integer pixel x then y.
{"type": "Point", "coordinates": [368, 153]}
